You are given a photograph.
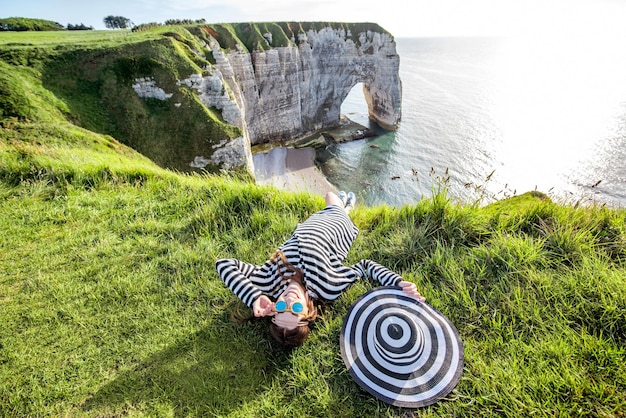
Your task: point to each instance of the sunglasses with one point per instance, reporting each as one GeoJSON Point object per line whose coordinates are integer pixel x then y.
{"type": "Point", "coordinates": [295, 308]}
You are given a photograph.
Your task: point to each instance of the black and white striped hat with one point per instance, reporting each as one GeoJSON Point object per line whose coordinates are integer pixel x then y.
{"type": "Point", "coordinates": [401, 351]}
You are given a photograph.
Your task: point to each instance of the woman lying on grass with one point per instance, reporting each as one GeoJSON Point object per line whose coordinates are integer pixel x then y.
{"type": "Point", "coordinates": [306, 269]}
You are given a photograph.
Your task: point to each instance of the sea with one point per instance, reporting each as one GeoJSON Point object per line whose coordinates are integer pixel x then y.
{"type": "Point", "coordinates": [491, 118]}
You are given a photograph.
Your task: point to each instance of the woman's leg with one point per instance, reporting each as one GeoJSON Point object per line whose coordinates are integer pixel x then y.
{"type": "Point", "coordinates": [333, 199]}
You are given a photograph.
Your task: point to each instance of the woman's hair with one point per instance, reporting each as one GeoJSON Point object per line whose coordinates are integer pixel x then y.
{"type": "Point", "coordinates": [293, 337]}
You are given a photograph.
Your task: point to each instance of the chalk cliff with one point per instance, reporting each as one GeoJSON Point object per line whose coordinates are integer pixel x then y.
{"type": "Point", "coordinates": [281, 81]}
{"type": "Point", "coordinates": [199, 96]}
{"type": "Point", "coordinates": [288, 91]}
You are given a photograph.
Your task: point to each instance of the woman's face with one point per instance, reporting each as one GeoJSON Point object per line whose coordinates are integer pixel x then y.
{"type": "Point", "coordinates": [293, 293]}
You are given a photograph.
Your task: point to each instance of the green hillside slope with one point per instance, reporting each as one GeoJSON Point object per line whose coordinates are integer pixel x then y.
{"type": "Point", "coordinates": [89, 82]}
{"type": "Point", "coordinates": [110, 304]}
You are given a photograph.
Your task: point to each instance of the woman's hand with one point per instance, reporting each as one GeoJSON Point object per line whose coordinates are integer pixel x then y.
{"type": "Point", "coordinates": [410, 289]}
{"type": "Point", "coordinates": [262, 306]}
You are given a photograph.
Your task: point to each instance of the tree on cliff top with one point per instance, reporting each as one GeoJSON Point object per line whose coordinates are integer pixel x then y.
{"type": "Point", "coordinates": [117, 22]}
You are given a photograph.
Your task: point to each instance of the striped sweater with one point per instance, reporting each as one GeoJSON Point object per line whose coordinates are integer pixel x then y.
{"type": "Point", "coordinates": [317, 247]}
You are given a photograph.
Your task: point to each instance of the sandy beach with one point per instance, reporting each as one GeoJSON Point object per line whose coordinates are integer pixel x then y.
{"type": "Point", "coordinates": [291, 169]}
{"type": "Point", "coordinates": [294, 169]}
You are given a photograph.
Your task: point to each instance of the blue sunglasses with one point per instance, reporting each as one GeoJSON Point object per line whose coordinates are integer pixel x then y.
{"type": "Point", "coordinates": [295, 308]}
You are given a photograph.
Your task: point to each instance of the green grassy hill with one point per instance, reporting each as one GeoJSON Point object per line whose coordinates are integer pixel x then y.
{"type": "Point", "coordinates": [110, 304]}
{"type": "Point", "coordinates": [26, 24]}
{"type": "Point", "coordinates": [87, 76]}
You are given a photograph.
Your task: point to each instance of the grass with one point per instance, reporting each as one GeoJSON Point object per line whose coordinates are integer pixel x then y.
{"type": "Point", "coordinates": [81, 37]}
{"type": "Point", "coordinates": [87, 76]}
{"type": "Point", "coordinates": [110, 304]}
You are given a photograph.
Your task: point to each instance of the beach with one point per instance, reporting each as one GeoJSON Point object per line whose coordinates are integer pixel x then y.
{"type": "Point", "coordinates": [291, 169]}
{"type": "Point", "coordinates": [292, 165]}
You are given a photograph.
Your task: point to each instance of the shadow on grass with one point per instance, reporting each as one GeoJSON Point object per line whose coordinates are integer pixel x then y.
{"type": "Point", "coordinates": [211, 372]}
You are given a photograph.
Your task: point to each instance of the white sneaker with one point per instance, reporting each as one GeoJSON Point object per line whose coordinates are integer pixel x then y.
{"type": "Point", "coordinates": [351, 200]}
{"type": "Point", "coordinates": [343, 197]}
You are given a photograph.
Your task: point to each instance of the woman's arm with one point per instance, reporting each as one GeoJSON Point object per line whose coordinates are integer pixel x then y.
{"type": "Point", "coordinates": [377, 272]}
{"type": "Point", "coordinates": [236, 275]}
{"type": "Point", "coordinates": [386, 277]}
{"type": "Point", "coordinates": [410, 289]}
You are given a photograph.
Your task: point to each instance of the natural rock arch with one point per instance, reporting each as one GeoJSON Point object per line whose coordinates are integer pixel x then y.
{"type": "Point", "coordinates": [286, 92]}
{"type": "Point", "coordinates": [290, 90]}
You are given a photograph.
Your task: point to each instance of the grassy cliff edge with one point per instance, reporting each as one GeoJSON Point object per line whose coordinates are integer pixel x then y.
{"type": "Point", "coordinates": [110, 304]}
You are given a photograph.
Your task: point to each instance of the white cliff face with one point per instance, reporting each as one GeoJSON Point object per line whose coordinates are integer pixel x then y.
{"type": "Point", "coordinates": [212, 92]}
{"type": "Point", "coordinates": [232, 154]}
{"type": "Point", "coordinates": [296, 90]}
{"type": "Point", "coordinates": [291, 91]}
{"type": "Point", "coordinates": [146, 88]}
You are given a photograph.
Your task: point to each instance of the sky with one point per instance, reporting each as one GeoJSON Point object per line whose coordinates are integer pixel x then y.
{"type": "Point", "coordinates": [403, 18]}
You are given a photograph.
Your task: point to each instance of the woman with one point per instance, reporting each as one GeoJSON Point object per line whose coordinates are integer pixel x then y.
{"type": "Point", "coordinates": [306, 269]}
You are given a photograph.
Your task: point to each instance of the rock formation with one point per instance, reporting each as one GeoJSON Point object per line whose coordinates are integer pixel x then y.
{"type": "Point", "coordinates": [295, 87]}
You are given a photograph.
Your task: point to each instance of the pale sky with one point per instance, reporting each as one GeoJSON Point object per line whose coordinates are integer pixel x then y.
{"type": "Point", "coordinates": [403, 18]}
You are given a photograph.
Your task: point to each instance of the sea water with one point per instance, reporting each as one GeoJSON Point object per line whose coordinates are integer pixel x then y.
{"type": "Point", "coordinates": [490, 118]}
